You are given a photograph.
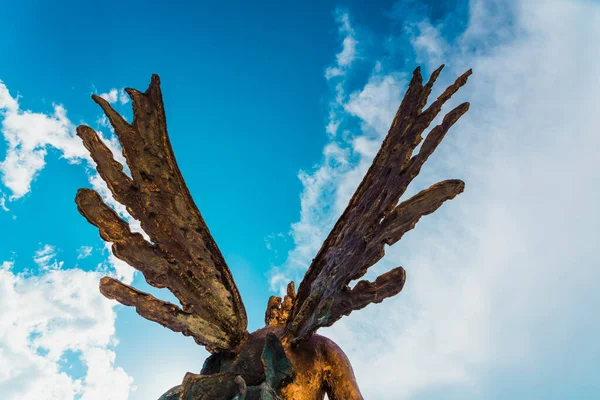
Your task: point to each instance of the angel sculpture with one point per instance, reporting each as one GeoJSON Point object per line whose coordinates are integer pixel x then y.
{"type": "Point", "coordinates": [286, 359]}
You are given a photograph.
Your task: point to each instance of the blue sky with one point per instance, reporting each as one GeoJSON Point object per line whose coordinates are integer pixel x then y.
{"type": "Point", "coordinates": [275, 111]}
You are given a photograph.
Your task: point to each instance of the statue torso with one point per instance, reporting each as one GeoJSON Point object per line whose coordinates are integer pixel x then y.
{"type": "Point", "coordinates": [319, 367]}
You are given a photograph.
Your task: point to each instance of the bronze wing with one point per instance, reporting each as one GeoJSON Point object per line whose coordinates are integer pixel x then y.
{"type": "Point", "coordinates": [181, 254]}
{"type": "Point", "coordinates": [373, 218]}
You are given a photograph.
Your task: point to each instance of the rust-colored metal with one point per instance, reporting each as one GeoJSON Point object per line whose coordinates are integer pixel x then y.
{"type": "Point", "coordinates": [286, 359]}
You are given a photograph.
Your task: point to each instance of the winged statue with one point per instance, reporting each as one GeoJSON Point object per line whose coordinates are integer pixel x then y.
{"type": "Point", "coordinates": [286, 359]}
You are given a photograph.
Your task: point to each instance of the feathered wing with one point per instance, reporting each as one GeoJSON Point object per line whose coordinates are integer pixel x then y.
{"type": "Point", "coordinates": [181, 254]}
{"type": "Point", "coordinates": [373, 217]}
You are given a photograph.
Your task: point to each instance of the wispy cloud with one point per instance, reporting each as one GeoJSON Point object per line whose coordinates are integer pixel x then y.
{"type": "Point", "coordinates": [336, 73]}
{"type": "Point", "coordinates": [428, 43]}
{"type": "Point", "coordinates": [347, 55]}
{"type": "Point", "coordinates": [45, 258]}
{"type": "Point", "coordinates": [84, 252]}
{"type": "Point", "coordinates": [490, 272]}
{"type": "Point", "coordinates": [3, 202]}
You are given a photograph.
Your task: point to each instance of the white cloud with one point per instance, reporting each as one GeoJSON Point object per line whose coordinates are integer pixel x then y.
{"type": "Point", "coordinates": [60, 310]}
{"type": "Point", "coordinates": [27, 135]}
{"type": "Point", "coordinates": [316, 199]}
{"type": "Point", "coordinates": [44, 317]}
{"type": "Point", "coordinates": [84, 252]}
{"type": "Point", "coordinates": [123, 271]}
{"type": "Point", "coordinates": [501, 278]}
{"type": "Point", "coordinates": [429, 45]}
{"type": "Point", "coordinates": [111, 96]}
{"type": "Point", "coordinates": [344, 60]}
{"type": "Point", "coordinates": [3, 202]}
{"type": "Point", "coordinates": [103, 121]}
{"type": "Point", "coordinates": [123, 98]}
{"type": "Point", "coordinates": [347, 55]}
{"type": "Point", "coordinates": [7, 102]}
{"type": "Point", "coordinates": [372, 105]}
{"type": "Point", "coordinates": [114, 95]}
{"type": "Point", "coordinates": [45, 258]}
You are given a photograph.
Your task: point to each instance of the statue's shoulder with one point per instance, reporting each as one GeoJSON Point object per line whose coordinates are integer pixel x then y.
{"type": "Point", "coordinates": [172, 394]}
{"type": "Point", "coordinates": [329, 350]}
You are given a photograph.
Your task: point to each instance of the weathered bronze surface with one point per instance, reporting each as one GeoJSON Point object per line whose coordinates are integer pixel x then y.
{"type": "Point", "coordinates": [317, 366]}
{"type": "Point", "coordinates": [286, 359]}
{"type": "Point", "coordinates": [307, 371]}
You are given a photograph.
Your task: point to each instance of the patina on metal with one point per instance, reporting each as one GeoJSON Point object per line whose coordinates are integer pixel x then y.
{"type": "Point", "coordinates": [286, 359]}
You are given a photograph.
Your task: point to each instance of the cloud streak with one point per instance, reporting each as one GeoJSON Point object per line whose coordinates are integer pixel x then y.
{"type": "Point", "coordinates": [347, 55]}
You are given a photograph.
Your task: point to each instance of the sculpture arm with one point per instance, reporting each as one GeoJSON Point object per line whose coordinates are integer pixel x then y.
{"type": "Point", "coordinates": [339, 377]}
